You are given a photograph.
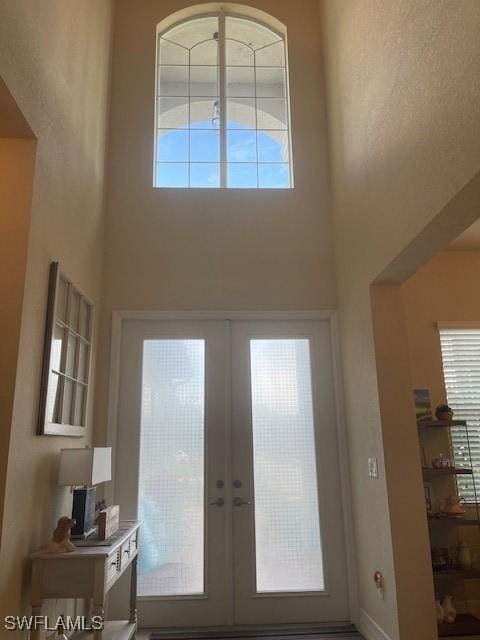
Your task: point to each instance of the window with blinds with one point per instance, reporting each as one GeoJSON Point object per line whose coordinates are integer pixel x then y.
{"type": "Point", "coordinates": [461, 369]}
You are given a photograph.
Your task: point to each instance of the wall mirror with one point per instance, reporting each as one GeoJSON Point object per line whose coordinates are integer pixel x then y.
{"type": "Point", "coordinates": [66, 358]}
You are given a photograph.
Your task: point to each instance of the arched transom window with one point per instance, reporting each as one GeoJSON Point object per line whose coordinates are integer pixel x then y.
{"type": "Point", "coordinates": [222, 109]}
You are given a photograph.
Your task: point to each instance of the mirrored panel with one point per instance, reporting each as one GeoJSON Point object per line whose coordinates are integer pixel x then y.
{"type": "Point", "coordinates": [68, 336]}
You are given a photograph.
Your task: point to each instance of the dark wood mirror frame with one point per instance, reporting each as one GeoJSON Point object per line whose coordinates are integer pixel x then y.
{"type": "Point", "coordinates": [66, 358]}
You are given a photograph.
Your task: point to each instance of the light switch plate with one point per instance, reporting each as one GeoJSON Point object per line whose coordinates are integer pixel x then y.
{"type": "Point", "coordinates": [373, 467]}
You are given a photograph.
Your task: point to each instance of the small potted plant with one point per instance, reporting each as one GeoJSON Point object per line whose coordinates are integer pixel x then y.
{"type": "Point", "coordinates": [444, 413]}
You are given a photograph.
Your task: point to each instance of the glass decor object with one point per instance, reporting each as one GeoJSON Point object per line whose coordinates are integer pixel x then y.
{"type": "Point", "coordinates": [172, 468]}
{"type": "Point", "coordinates": [222, 105]}
{"type": "Point", "coordinates": [66, 358]}
{"type": "Point", "coordinates": [287, 524]}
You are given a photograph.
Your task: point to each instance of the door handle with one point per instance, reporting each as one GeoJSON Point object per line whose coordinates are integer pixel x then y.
{"type": "Point", "coordinates": [238, 502]}
{"type": "Point", "coordinates": [219, 502]}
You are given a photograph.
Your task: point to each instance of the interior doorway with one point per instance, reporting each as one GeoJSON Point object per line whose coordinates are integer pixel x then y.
{"type": "Point", "coordinates": [227, 451]}
{"type": "Point", "coordinates": [17, 162]}
{"type": "Point", "coordinates": [426, 292]}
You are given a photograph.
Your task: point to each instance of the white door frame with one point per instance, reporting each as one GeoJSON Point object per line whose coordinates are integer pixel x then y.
{"type": "Point", "coordinates": [118, 317]}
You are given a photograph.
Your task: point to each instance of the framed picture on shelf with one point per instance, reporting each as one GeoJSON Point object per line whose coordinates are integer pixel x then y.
{"type": "Point", "coordinates": [66, 358]}
{"type": "Point", "coordinates": [423, 406]}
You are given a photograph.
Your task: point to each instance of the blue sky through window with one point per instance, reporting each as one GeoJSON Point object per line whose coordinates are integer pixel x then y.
{"type": "Point", "coordinates": [191, 157]}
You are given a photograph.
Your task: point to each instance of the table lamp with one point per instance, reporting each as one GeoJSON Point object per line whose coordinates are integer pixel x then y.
{"type": "Point", "coordinates": [84, 468]}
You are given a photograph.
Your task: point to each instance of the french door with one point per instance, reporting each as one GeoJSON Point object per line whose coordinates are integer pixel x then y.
{"type": "Point", "coordinates": [227, 453]}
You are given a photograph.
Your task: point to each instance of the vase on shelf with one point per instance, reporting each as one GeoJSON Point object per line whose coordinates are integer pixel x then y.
{"type": "Point", "coordinates": [444, 413]}
{"type": "Point", "coordinates": [464, 556]}
{"type": "Point", "coordinates": [439, 612]}
{"type": "Point", "coordinates": [449, 609]}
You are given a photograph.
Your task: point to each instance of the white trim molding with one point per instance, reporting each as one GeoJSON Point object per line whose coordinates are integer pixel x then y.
{"type": "Point", "coordinates": [323, 314]}
{"type": "Point", "coordinates": [369, 628]}
{"type": "Point", "coordinates": [344, 464]}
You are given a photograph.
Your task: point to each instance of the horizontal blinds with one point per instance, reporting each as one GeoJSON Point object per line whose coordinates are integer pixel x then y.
{"type": "Point", "coordinates": [461, 369]}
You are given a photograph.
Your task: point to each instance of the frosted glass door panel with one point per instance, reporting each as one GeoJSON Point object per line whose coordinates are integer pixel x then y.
{"type": "Point", "coordinates": [287, 531]}
{"type": "Point", "coordinates": [171, 468]}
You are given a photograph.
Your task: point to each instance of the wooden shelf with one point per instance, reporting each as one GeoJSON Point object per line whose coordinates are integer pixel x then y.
{"type": "Point", "coordinates": [455, 521]}
{"type": "Point", "coordinates": [464, 625]}
{"type": "Point", "coordinates": [437, 424]}
{"type": "Point", "coordinates": [457, 574]}
{"type": "Point", "coordinates": [113, 630]}
{"type": "Point", "coordinates": [448, 471]}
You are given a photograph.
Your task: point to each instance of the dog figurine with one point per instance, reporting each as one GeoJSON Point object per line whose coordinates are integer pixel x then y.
{"type": "Point", "coordinates": [60, 542]}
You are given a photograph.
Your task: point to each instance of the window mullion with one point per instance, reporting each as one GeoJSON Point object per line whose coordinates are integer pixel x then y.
{"type": "Point", "coordinates": [222, 99]}
{"type": "Point", "coordinates": [189, 168]}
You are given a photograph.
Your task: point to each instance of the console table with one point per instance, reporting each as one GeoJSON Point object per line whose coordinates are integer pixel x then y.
{"type": "Point", "coordinates": [89, 573]}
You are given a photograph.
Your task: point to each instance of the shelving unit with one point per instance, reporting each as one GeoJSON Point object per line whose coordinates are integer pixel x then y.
{"type": "Point", "coordinates": [454, 522]}
{"type": "Point", "coordinates": [446, 531]}
{"type": "Point", "coordinates": [456, 574]}
{"type": "Point", "coordinates": [465, 625]}
{"type": "Point", "coordinates": [430, 472]}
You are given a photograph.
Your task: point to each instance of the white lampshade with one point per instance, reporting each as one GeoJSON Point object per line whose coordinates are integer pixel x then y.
{"type": "Point", "coordinates": [85, 467]}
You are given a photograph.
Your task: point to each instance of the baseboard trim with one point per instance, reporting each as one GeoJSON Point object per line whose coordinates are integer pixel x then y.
{"type": "Point", "coordinates": [369, 628]}
{"type": "Point", "coordinates": [262, 632]}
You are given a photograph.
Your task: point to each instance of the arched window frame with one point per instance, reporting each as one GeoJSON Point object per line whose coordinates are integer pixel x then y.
{"type": "Point", "coordinates": [222, 15]}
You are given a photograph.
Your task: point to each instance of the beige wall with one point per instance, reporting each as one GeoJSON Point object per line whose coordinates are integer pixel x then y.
{"type": "Point", "coordinates": [404, 115]}
{"type": "Point", "coordinates": [54, 58]}
{"type": "Point", "coordinates": [218, 249]}
{"type": "Point", "coordinates": [213, 249]}
{"type": "Point", "coordinates": [17, 159]}
{"type": "Point", "coordinates": [408, 525]}
{"type": "Point", "coordinates": [445, 289]}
